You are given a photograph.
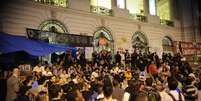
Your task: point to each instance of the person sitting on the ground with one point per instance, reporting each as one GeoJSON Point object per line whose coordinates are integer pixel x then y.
{"type": "Point", "coordinates": [47, 72]}
{"type": "Point", "coordinates": [38, 68]}
{"type": "Point", "coordinates": [55, 93]}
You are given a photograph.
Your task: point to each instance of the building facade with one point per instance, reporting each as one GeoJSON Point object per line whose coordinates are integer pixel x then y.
{"type": "Point", "coordinates": [114, 24]}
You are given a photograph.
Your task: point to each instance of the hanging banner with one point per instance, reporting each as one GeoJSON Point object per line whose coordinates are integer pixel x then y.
{"type": "Point", "coordinates": [61, 38]}
{"type": "Point", "coordinates": [198, 46]}
{"type": "Point", "coordinates": [187, 48]}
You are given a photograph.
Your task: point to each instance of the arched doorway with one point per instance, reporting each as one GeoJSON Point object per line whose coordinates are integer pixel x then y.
{"type": "Point", "coordinates": [103, 40]}
{"type": "Point", "coordinates": [140, 42]}
{"type": "Point", "coordinates": [167, 44]}
{"type": "Point", "coordinates": [51, 31]}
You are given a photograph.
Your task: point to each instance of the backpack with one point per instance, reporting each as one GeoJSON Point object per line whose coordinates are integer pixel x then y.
{"type": "Point", "coordinates": [153, 96]}
{"type": "Point", "coordinates": [173, 98]}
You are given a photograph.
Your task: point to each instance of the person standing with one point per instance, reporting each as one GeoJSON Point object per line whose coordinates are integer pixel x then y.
{"type": "Point", "coordinates": [134, 56]}
{"type": "Point", "coordinates": [127, 57]}
{"type": "Point", "coordinates": [117, 91]}
{"type": "Point", "coordinates": [13, 85]}
{"type": "Point", "coordinates": [95, 57]}
{"type": "Point", "coordinates": [118, 58]}
{"type": "Point", "coordinates": [199, 89]}
{"type": "Point", "coordinates": [190, 91]}
{"type": "Point", "coordinates": [173, 93]}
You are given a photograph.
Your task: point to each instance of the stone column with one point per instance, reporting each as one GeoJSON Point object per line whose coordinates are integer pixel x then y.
{"type": "Point", "coordinates": [125, 4]}
{"type": "Point", "coordinates": [146, 7]}
{"type": "Point", "coordinates": [113, 4]}
{"type": "Point", "coordinates": [171, 7]}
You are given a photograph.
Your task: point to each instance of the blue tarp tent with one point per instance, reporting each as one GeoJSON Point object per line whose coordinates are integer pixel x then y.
{"type": "Point", "coordinates": [10, 43]}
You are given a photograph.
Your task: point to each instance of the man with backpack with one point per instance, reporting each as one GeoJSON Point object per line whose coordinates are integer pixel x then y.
{"type": "Point", "coordinates": [174, 93]}
{"type": "Point", "coordinates": [152, 93]}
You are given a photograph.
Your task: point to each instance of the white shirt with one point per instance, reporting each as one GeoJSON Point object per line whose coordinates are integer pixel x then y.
{"type": "Point", "coordinates": [64, 77]}
{"type": "Point", "coordinates": [46, 73]}
{"type": "Point", "coordinates": [126, 96]}
{"type": "Point", "coordinates": [37, 69]}
{"type": "Point", "coordinates": [94, 74]}
{"type": "Point", "coordinates": [100, 96]}
{"type": "Point", "coordinates": [176, 95]}
{"type": "Point", "coordinates": [165, 97]}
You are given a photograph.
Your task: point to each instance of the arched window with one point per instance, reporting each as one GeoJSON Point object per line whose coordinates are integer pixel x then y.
{"type": "Point", "coordinates": [103, 40]}
{"type": "Point", "coordinates": [53, 26]}
{"type": "Point", "coordinates": [167, 44]}
{"type": "Point", "coordinates": [139, 41]}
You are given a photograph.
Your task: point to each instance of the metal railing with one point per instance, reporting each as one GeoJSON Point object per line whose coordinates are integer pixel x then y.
{"type": "Point", "coordinates": [101, 10]}
{"type": "Point", "coordinates": [167, 22]}
{"type": "Point", "coordinates": [61, 3]}
{"type": "Point", "coordinates": [138, 17]}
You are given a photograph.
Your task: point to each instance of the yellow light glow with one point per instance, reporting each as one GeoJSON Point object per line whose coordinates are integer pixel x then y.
{"type": "Point", "coordinates": [135, 6]}
{"type": "Point", "coordinates": [163, 9]}
{"type": "Point", "coordinates": [121, 4]}
{"type": "Point", "coordinates": [102, 3]}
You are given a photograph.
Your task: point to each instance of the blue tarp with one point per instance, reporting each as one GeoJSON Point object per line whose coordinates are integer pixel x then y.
{"type": "Point", "coordinates": [10, 43]}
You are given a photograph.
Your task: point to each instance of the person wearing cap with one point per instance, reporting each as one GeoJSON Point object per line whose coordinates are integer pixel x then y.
{"type": "Point", "coordinates": [192, 76]}
{"type": "Point", "coordinates": [190, 91]}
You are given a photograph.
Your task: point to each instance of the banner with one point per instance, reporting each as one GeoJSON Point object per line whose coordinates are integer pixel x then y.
{"type": "Point", "coordinates": [189, 48]}
{"type": "Point", "coordinates": [198, 47]}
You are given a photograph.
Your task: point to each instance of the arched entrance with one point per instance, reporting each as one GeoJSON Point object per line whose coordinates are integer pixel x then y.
{"type": "Point", "coordinates": [167, 44]}
{"type": "Point", "coordinates": [140, 42]}
{"type": "Point", "coordinates": [52, 29]}
{"type": "Point", "coordinates": [103, 40]}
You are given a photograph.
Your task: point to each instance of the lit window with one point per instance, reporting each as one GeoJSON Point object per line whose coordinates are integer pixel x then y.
{"type": "Point", "coordinates": [135, 6]}
{"type": "Point", "coordinates": [121, 4]}
{"type": "Point", "coordinates": [102, 3]}
{"type": "Point", "coordinates": [102, 7]}
{"type": "Point", "coordinates": [163, 9]}
{"type": "Point", "coordinates": [62, 3]}
{"type": "Point", "coordinates": [152, 7]}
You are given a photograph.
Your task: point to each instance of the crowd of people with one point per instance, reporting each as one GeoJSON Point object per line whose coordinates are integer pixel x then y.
{"type": "Point", "coordinates": [131, 77]}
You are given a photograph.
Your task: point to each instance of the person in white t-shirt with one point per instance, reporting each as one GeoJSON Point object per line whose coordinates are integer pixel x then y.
{"type": "Point", "coordinates": [95, 73]}
{"type": "Point", "coordinates": [47, 72]}
{"type": "Point", "coordinates": [38, 68]}
{"type": "Point", "coordinates": [174, 93]}
{"type": "Point", "coordinates": [64, 76]}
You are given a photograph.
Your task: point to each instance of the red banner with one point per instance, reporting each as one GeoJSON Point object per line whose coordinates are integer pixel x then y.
{"type": "Point", "coordinates": [188, 48]}
{"type": "Point", "coordinates": [198, 46]}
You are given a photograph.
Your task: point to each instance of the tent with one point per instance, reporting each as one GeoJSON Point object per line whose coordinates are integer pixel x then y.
{"type": "Point", "coordinates": [11, 43]}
